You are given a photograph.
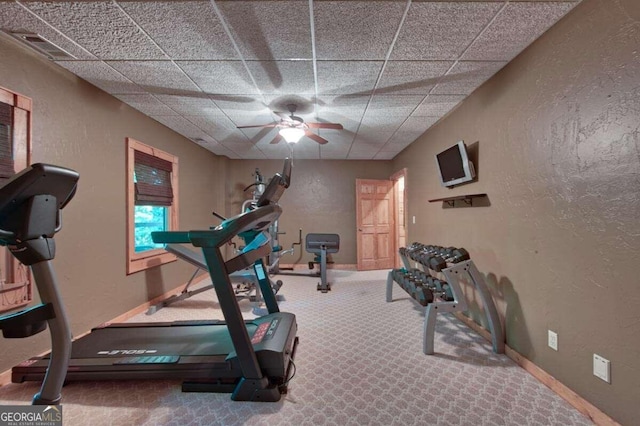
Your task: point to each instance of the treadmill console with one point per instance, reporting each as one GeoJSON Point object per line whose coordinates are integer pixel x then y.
{"type": "Point", "coordinates": [276, 186]}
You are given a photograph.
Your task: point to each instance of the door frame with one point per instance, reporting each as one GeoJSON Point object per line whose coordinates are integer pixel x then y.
{"type": "Point", "coordinates": [402, 173]}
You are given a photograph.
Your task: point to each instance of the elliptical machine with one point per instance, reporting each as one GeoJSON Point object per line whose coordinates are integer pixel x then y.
{"type": "Point", "coordinates": [30, 215]}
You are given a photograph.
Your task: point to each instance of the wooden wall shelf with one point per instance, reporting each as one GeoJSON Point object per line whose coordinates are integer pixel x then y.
{"type": "Point", "coordinates": [466, 198]}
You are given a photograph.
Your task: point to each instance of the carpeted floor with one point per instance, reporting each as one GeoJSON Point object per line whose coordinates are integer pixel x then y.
{"type": "Point", "coordinates": [359, 362]}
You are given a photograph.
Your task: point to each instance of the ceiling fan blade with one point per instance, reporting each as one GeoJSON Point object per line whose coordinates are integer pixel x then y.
{"type": "Point", "coordinates": [258, 125]}
{"type": "Point", "coordinates": [276, 139]}
{"type": "Point", "coordinates": [336, 126]}
{"type": "Point", "coordinates": [316, 138]}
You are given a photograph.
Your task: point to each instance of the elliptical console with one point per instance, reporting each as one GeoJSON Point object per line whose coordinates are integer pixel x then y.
{"type": "Point", "coordinates": [30, 204]}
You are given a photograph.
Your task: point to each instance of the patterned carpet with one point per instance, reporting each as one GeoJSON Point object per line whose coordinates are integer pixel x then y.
{"type": "Point", "coordinates": [359, 362]}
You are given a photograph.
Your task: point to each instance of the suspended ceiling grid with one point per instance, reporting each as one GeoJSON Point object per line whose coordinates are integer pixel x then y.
{"type": "Point", "coordinates": [385, 70]}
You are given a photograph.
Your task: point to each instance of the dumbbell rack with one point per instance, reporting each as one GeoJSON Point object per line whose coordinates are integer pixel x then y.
{"type": "Point", "coordinates": [454, 264]}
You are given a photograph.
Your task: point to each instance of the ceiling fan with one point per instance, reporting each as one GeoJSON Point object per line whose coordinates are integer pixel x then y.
{"type": "Point", "coordinates": [293, 128]}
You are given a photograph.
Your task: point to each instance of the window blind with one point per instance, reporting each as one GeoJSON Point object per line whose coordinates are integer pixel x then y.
{"type": "Point", "coordinates": [153, 180]}
{"type": "Point", "coordinates": [6, 141]}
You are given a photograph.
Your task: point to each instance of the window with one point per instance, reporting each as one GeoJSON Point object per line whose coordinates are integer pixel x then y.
{"type": "Point", "coordinates": [152, 204]}
{"type": "Point", "coordinates": [15, 148]}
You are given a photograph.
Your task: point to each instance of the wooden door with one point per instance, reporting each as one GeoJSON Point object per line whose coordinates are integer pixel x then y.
{"type": "Point", "coordinates": [375, 224]}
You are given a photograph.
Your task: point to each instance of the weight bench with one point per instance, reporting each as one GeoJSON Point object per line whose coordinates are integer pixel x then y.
{"type": "Point", "coordinates": [321, 245]}
{"type": "Point", "coordinates": [197, 259]}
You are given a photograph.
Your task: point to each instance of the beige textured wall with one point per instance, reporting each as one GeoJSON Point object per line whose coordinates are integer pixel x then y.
{"type": "Point", "coordinates": [321, 199]}
{"type": "Point", "coordinates": [80, 127]}
{"type": "Point", "coordinates": [556, 138]}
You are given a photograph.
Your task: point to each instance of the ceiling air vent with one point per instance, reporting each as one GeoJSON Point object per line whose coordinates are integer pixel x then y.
{"type": "Point", "coordinates": [42, 45]}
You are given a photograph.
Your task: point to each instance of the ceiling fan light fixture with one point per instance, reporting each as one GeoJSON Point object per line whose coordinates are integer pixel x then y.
{"type": "Point", "coordinates": [292, 134]}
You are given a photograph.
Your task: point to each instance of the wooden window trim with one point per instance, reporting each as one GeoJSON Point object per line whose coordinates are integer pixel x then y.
{"type": "Point", "coordinates": [137, 262]}
{"type": "Point", "coordinates": [19, 291]}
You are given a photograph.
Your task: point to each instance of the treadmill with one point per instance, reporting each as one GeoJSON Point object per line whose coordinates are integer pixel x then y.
{"type": "Point", "coordinates": [251, 359]}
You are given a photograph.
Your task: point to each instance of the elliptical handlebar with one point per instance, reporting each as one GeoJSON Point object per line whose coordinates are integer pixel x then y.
{"type": "Point", "coordinates": [30, 204]}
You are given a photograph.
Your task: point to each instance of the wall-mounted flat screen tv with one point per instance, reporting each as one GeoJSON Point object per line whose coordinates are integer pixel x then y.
{"type": "Point", "coordinates": [454, 165]}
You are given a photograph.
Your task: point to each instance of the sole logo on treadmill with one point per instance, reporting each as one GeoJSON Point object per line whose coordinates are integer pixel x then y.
{"type": "Point", "coordinates": [272, 329]}
{"type": "Point", "coordinates": [128, 352]}
{"type": "Point", "coordinates": [265, 331]}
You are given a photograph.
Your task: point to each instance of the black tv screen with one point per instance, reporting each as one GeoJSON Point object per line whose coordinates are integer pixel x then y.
{"type": "Point", "coordinates": [454, 165]}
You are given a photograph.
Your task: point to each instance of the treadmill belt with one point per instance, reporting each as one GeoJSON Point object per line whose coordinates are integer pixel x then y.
{"type": "Point", "coordinates": [156, 341]}
{"type": "Point", "coordinates": [150, 360]}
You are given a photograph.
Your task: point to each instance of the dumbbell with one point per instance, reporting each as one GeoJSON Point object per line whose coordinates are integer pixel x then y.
{"type": "Point", "coordinates": [423, 295]}
{"type": "Point", "coordinates": [436, 263]}
{"type": "Point", "coordinates": [409, 286]}
{"type": "Point", "coordinates": [447, 252]}
{"type": "Point", "coordinates": [398, 275]}
{"type": "Point", "coordinates": [448, 293]}
{"type": "Point", "coordinates": [434, 284]}
{"type": "Point", "coordinates": [403, 278]}
{"type": "Point", "coordinates": [421, 275]}
{"type": "Point", "coordinates": [441, 288]}
{"type": "Point", "coordinates": [459, 255]}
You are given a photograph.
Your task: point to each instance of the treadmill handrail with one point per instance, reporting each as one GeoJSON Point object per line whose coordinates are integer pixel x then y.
{"type": "Point", "coordinates": [254, 220]}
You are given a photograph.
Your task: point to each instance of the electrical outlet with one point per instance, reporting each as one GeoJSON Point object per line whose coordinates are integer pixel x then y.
{"type": "Point", "coordinates": [602, 368]}
{"type": "Point", "coordinates": [553, 340]}
{"type": "Point", "coordinates": [414, 220]}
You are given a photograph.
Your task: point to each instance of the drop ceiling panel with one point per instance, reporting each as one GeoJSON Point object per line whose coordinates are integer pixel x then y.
{"type": "Point", "coordinates": [349, 124]}
{"type": "Point", "coordinates": [157, 77]}
{"type": "Point", "coordinates": [333, 152]}
{"type": "Point", "coordinates": [442, 30]}
{"type": "Point", "coordinates": [398, 105]}
{"type": "Point", "coordinates": [283, 77]}
{"type": "Point", "coordinates": [347, 77]}
{"type": "Point", "coordinates": [381, 121]}
{"type": "Point", "coordinates": [417, 124]}
{"type": "Point", "coordinates": [467, 76]}
{"type": "Point", "coordinates": [244, 109]}
{"type": "Point", "coordinates": [437, 105]}
{"type": "Point", "coordinates": [146, 104]}
{"type": "Point", "coordinates": [15, 18]}
{"type": "Point", "coordinates": [192, 104]}
{"type": "Point", "coordinates": [102, 76]}
{"type": "Point", "coordinates": [238, 145]}
{"type": "Point", "coordinates": [196, 31]}
{"type": "Point", "coordinates": [385, 155]}
{"type": "Point", "coordinates": [342, 108]}
{"type": "Point", "coordinates": [215, 127]}
{"type": "Point", "coordinates": [515, 28]}
{"type": "Point", "coordinates": [400, 140]}
{"type": "Point", "coordinates": [220, 77]}
{"type": "Point", "coordinates": [250, 154]}
{"type": "Point", "coordinates": [365, 154]}
{"type": "Point", "coordinates": [181, 125]}
{"type": "Point", "coordinates": [102, 28]}
{"type": "Point", "coordinates": [253, 119]}
{"type": "Point", "coordinates": [278, 154]}
{"type": "Point", "coordinates": [202, 67]}
{"type": "Point", "coordinates": [219, 150]}
{"type": "Point", "coordinates": [338, 139]}
{"type": "Point", "coordinates": [371, 139]}
{"type": "Point", "coordinates": [269, 30]}
{"type": "Point", "coordinates": [411, 77]}
{"type": "Point", "coordinates": [368, 29]}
